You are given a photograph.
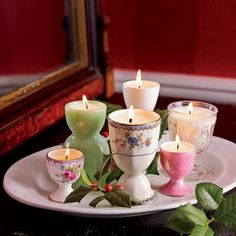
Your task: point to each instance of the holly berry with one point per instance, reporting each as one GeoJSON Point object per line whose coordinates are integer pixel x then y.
{"type": "Point", "coordinates": [108, 188]}
{"type": "Point", "coordinates": [94, 184]}
{"type": "Point", "coordinates": [105, 134]}
{"type": "Point", "coordinates": [120, 186]}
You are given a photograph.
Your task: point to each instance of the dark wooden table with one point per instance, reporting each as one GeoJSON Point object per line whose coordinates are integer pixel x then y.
{"type": "Point", "coordinates": [20, 219]}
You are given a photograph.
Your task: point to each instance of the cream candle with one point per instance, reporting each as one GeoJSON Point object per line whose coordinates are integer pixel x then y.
{"type": "Point", "coordinates": [134, 141]}
{"type": "Point", "coordinates": [86, 119]}
{"type": "Point", "coordinates": [141, 93]}
{"type": "Point", "coordinates": [64, 166]}
{"type": "Point", "coordinates": [193, 121]}
{"type": "Point", "coordinates": [177, 159]}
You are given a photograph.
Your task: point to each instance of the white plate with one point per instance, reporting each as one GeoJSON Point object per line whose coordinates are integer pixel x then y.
{"type": "Point", "coordinates": [27, 181]}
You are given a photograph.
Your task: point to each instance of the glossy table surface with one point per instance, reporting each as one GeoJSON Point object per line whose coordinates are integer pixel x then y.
{"type": "Point", "coordinates": [20, 219]}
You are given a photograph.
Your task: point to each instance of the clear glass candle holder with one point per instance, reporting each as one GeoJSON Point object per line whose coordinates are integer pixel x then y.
{"type": "Point", "coordinates": [195, 126]}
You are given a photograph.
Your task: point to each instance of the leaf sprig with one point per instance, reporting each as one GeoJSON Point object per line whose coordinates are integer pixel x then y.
{"type": "Point", "coordinates": [188, 219]}
{"type": "Point", "coordinates": [113, 193]}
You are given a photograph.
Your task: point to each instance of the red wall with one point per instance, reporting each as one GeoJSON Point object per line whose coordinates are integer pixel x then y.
{"type": "Point", "coordinates": [196, 37]}
{"type": "Point", "coordinates": [32, 38]}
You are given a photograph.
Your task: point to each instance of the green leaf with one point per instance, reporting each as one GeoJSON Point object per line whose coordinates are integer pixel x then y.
{"type": "Point", "coordinates": [119, 198]}
{"type": "Point", "coordinates": [164, 120]}
{"type": "Point", "coordinates": [78, 194]}
{"type": "Point", "coordinates": [226, 212]}
{"type": "Point", "coordinates": [231, 226]}
{"type": "Point", "coordinates": [85, 178]}
{"type": "Point", "coordinates": [184, 219]}
{"type": "Point", "coordinates": [104, 167]}
{"type": "Point", "coordinates": [152, 169]}
{"type": "Point", "coordinates": [102, 181]}
{"type": "Point", "coordinates": [202, 231]}
{"type": "Point", "coordinates": [209, 195]}
{"type": "Point", "coordinates": [112, 107]}
{"type": "Point", "coordinates": [115, 174]}
{"type": "Point", "coordinates": [95, 201]}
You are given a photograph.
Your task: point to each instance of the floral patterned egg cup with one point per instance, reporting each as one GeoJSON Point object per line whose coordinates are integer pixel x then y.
{"type": "Point", "coordinates": [64, 169]}
{"type": "Point", "coordinates": [134, 147]}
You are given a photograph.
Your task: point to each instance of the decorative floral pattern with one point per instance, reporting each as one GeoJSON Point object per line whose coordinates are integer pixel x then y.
{"type": "Point", "coordinates": [134, 142]}
{"type": "Point", "coordinates": [68, 173]}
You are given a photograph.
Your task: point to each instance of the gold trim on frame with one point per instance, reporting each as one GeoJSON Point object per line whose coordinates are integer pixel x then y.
{"type": "Point", "coordinates": [81, 59]}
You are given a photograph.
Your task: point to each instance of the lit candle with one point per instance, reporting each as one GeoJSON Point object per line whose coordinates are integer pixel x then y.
{"type": "Point", "coordinates": [193, 121]}
{"type": "Point", "coordinates": [64, 165]}
{"type": "Point", "coordinates": [85, 119]}
{"type": "Point", "coordinates": [133, 137]}
{"type": "Point", "coordinates": [141, 93]}
{"type": "Point", "coordinates": [177, 159]}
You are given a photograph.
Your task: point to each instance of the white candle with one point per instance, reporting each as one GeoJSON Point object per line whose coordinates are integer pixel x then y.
{"type": "Point", "coordinates": [141, 93]}
{"type": "Point", "coordinates": [140, 117]}
{"type": "Point", "coordinates": [65, 154]}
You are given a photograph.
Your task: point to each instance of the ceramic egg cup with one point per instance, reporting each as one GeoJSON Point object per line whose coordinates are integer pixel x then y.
{"type": "Point", "coordinates": [134, 148]}
{"type": "Point", "coordinates": [64, 173]}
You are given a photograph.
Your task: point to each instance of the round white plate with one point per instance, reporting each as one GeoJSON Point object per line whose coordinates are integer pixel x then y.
{"type": "Point", "coordinates": [27, 181]}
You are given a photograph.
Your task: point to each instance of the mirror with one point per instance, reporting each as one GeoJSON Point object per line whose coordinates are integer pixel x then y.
{"type": "Point", "coordinates": [62, 44]}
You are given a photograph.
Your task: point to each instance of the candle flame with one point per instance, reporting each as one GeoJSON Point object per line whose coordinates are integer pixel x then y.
{"type": "Point", "coordinates": [67, 153]}
{"type": "Point", "coordinates": [85, 101]}
{"type": "Point", "coordinates": [190, 108]}
{"type": "Point", "coordinates": [131, 114]}
{"type": "Point", "coordinates": [177, 140]}
{"type": "Point", "coordinates": [139, 79]}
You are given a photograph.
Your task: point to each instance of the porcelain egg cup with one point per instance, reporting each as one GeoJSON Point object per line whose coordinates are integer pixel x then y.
{"type": "Point", "coordinates": [177, 165]}
{"type": "Point", "coordinates": [144, 97]}
{"type": "Point", "coordinates": [64, 172]}
{"type": "Point", "coordinates": [134, 148]}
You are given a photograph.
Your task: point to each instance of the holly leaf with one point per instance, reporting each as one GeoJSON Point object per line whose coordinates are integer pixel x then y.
{"type": "Point", "coordinates": [115, 174]}
{"type": "Point", "coordinates": [164, 120]}
{"type": "Point", "coordinates": [184, 219]}
{"type": "Point", "coordinates": [119, 198]}
{"type": "Point", "coordinates": [202, 230]}
{"type": "Point", "coordinates": [102, 181]}
{"type": "Point", "coordinates": [152, 169]}
{"type": "Point", "coordinates": [112, 107]}
{"type": "Point", "coordinates": [85, 178]}
{"type": "Point", "coordinates": [226, 212]}
{"type": "Point", "coordinates": [231, 226]}
{"type": "Point", "coordinates": [78, 194]}
{"type": "Point", "coordinates": [209, 195]}
{"type": "Point", "coordinates": [104, 167]}
{"type": "Point", "coordinates": [96, 200]}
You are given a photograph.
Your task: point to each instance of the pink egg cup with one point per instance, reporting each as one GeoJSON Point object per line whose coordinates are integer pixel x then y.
{"type": "Point", "coordinates": [177, 165]}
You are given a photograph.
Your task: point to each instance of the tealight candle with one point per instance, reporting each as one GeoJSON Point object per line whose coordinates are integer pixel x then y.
{"type": "Point", "coordinates": [86, 119]}
{"type": "Point", "coordinates": [141, 93]}
{"type": "Point", "coordinates": [177, 159]}
{"type": "Point", "coordinates": [64, 165]}
{"type": "Point", "coordinates": [193, 121]}
{"type": "Point", "coordinates": [134, 141]}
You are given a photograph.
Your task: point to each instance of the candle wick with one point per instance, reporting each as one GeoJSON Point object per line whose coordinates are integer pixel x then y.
{"type": "Point", "coordinates": [177, 146]}
{"type": "Point", "coordinates": [139, 86]}
{"type": "Point", "coordinates": [130, 120]}
{"type": "Point", "coordinates": [189, 112]}
{"type": "Point", "coordinates": [66, 157]}
{"type": "Point", "coordinates": [86, 105]}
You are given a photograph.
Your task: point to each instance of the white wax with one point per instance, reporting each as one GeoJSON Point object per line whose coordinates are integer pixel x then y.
{"type": "Point", "coordinates": [144, 85]}
{"type": "Point", "coordinates": [184, 147]}
{"type": "Point", "coordinates": [141, 117]}
{"type": "Point", "coordinates": [79, 105]}
{"type": "Point", "coordinates": [60, 154]}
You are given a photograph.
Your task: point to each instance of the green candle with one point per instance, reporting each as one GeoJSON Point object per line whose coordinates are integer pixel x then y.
{"type": "Point", "coordinates": [86, 119]}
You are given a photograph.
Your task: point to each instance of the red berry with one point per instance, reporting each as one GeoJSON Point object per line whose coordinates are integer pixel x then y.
{"type": "Point", "coordinates": [120, 186]}
{"type": "Point", "coordinates": [108, 187]}
{"type": "Point", "coordinates": [105, 134]}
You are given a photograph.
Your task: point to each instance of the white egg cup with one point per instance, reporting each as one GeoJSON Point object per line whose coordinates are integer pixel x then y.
{"type": "Point", "coordinates": [64, 172]}
{"type": "Point", "coordinates": [144, 97]}
{"type": "Point", "coordinates": [134, 148]}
